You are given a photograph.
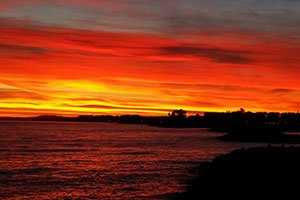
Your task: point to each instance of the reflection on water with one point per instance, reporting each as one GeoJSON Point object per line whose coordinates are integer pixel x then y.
{"type": "Point", "coordinates": [65, 160]}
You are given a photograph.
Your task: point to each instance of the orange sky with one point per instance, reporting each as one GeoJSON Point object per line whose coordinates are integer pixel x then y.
{"type": "Point", "coordinates": [94, 57]}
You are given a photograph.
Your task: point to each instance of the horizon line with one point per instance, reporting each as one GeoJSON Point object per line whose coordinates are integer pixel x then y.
{"type": "Point", "coordinates": [116, 115]}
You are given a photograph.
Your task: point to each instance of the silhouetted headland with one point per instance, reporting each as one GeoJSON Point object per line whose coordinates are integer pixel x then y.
{"type": "Point", "coordinates": [255, 173]}
{"type": "Point", "coordinates": [244, 126]}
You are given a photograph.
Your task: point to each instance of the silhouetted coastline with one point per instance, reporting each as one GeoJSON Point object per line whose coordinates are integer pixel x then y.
{"type": "Point", "coordinates": [215, 121]}
{"type": "Point", "coordinates": [240, 126]}
{"type": "Point", "coordinates": [254, 173]}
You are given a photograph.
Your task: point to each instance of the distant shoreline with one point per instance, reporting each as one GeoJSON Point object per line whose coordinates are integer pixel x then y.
{"type": "Point", "coordinates": [239, 126]}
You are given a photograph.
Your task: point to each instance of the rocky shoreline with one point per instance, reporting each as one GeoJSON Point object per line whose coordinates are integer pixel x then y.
{"type": "Point", "coordinates": [254, 173]}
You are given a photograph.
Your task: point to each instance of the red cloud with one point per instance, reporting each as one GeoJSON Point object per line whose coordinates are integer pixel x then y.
{"type": "Point", "coordinates": [113, 69]}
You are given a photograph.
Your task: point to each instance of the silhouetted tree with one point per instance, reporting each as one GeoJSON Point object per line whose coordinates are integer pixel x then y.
{"type": "Point", "coordinates": [179, 113]}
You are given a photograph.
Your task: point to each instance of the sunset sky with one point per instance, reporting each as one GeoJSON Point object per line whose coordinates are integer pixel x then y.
{"type": "Point", "coordinates": [69, 57]}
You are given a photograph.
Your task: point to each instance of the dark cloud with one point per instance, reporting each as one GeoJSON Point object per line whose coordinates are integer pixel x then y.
{"type": "Point", "coordinates": [189, 86]}
{"type": "Point", "coordinates": [282, 91]}
{"type": "Point", "coordinates": [205, 104]}
{"type": "Point", "coordinates": [237, 98]}
{"type": "Point", "coordinates": [14, 22]}
{"type": "Point", "coordinates": [213, 54]}
{"type": "Point", "coordinates": [264, 15]}
{"type": "Point", "coordinates": [15, 49]}
{"type": "Point", "coordinates": [20, 94]}
{"type": "Point", "coordinates": [118, 107]}
{"type": "Point", "coordinates": [160, 16]}
{"type": "Point", "coordinates": [18, 48]}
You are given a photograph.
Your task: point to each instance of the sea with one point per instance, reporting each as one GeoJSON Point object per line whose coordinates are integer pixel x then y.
{"type": "Point", "coordinates": [107, 161]}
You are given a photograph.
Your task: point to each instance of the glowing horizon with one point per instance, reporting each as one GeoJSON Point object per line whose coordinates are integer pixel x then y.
{"type": "Point", "coordinates": [148, 57]}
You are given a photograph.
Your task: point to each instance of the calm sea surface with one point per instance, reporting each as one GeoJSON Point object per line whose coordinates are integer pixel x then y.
{"type": "Point", "coordinates": [68, 160]}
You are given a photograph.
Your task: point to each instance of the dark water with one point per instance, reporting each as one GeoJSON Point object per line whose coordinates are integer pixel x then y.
{"type": "Point", "coordinates": [61, 160]}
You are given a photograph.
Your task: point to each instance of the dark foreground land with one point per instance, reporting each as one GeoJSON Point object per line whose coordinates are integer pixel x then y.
{"type": "Point", "coordinates": [255, 173]}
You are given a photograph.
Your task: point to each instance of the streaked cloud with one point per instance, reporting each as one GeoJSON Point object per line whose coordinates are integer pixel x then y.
{"type": "Point", "coordinates": [213, 54]}
{"type": "Point", "coordinates": [142, 56]}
